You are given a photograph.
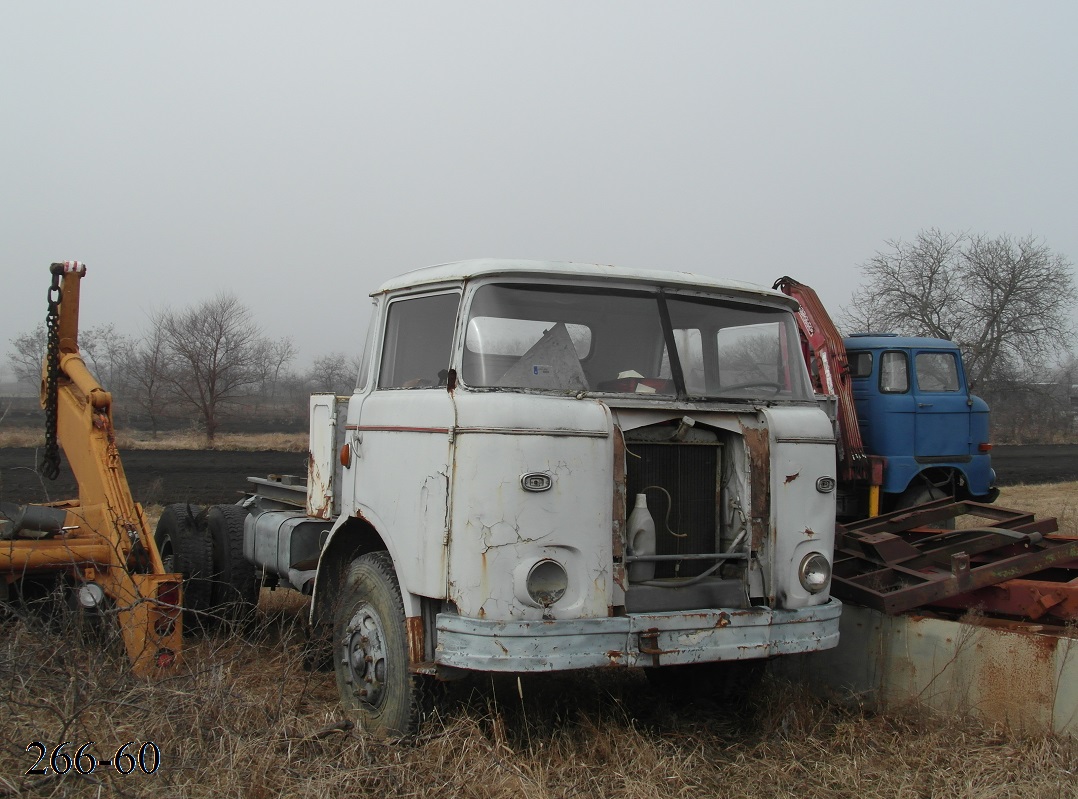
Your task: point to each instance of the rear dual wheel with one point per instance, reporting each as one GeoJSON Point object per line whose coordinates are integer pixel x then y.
{"type": "Point", "coordinates": [186, 550]}
{"type": "Point", "coordinates": [235, 581]}
{"type": "Point", "coordinates": [206, 548]}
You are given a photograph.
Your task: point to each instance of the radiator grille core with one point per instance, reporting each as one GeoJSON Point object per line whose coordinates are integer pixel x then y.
{"type": "Point", "coordinates": [691, 474]}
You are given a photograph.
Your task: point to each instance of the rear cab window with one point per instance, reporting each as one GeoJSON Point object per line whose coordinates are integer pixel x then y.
{"type": "Point", "coordinates": [860, 364]}
{"type": "Point", "coordinates": [894, 372]}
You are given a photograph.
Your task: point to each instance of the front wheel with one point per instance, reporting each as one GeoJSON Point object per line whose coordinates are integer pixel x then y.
{"type": "Point", "coordinates": [370, 651]}
{"type": "Point", "coordinates": [919, 494]}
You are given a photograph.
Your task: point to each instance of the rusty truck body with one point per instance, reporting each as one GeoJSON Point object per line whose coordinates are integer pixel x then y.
{"type": "Point", "coordinates": [550, 466]}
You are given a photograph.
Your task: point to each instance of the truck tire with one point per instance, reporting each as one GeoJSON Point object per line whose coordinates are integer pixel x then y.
{"type": "Point", "coordinates": [185, 548]}
{"type": "Point", "coordinates": [919, 494]}
{"type": "Point", "coordinates": [370, 651]}
{"type": "Point", "coordinates": [235, 581]}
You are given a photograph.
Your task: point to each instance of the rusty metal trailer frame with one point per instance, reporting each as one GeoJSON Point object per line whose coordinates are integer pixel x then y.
{"type": "Point", "coordinates": [1049, 596]}
{"type": "Point", "coordinates": [902, 560]}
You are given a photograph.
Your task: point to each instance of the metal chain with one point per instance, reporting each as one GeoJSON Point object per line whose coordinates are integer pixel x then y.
{"type": "Point", "coordinates": [49, 467]}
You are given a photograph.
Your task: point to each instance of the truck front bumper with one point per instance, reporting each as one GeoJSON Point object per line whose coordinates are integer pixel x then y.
{"type": "Point", "coordinates": [638, 639]}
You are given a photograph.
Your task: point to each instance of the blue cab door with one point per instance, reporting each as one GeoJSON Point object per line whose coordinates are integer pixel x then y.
{"type": "Point", "coordinates": [942, 426]}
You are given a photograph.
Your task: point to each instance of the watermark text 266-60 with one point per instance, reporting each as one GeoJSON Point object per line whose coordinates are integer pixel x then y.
{"type": "Point", "coordinates": [130, 757]}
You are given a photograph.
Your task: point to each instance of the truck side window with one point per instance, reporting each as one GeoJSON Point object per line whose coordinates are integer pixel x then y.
{"type": "Point", "coordinates": [418, 342]}
{"type": "Point", "coordinates": [860, 364]}
{"type": "Point", "coordinates": [368, 346]}
{"type": "Point", "coordinates": [936, 371]}
{"type": "Point", "coordinates": [894, 373]}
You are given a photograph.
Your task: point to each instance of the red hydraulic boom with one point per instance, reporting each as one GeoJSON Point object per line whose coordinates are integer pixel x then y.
{"type": "Point", "coordinates": [825, 355]}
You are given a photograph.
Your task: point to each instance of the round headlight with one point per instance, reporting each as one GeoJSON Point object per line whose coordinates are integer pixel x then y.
{"type": "Point", "coordinates": [815, 573]}
{"type": "Point", "coordinates": [90, 595]}
{"type": "Point", "coordinates": [547, 582]}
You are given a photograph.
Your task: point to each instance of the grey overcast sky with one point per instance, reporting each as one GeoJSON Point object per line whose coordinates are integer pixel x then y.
{"type": "Point", "coordinates": [298, 154]}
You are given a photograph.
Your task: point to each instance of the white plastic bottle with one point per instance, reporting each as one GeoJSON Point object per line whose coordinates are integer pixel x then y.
{"type": "Point", "coordinates": [641, 540]}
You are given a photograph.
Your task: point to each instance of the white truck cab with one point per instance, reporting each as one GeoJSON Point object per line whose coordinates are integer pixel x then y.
{"type": "Point", "coordinates": [551, 466]}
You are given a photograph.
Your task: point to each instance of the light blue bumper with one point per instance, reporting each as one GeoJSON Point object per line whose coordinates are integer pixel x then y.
{"type": "Point", "coordinates": [638, 639]}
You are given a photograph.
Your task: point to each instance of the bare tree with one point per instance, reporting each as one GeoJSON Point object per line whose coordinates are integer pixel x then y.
{"type": "Point", "coordinates": [107, 353]}
{"type": "Point", "coordinates": [1004, 301]}
{"type": "Point", "coordinates": [332, 372]}
{"type": "Point", "coordinates": [26, 354]}
{"type": "Point", "coordinates": [272, 356]}
{"type": "Point", "coordinates": [211, 352]}
{"type": "Point", "coordinates": [147, 376]}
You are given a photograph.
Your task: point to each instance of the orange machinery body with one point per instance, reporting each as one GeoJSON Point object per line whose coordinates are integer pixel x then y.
{"type": "Point", "coordinates": [105, 539]}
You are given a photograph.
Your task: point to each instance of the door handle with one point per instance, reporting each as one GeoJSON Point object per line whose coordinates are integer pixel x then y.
{"type": "Point", "coordinates": [924, 404]}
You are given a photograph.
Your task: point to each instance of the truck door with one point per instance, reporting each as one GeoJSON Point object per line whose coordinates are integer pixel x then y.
{"type": "Point", "coordinates": [943, 413]}
{"type": "Point", "coordinates": [402, 433]}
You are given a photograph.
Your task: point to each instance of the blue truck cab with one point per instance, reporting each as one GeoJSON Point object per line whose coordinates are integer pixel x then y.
{"type": "Point", "coordinates": [915, 409]}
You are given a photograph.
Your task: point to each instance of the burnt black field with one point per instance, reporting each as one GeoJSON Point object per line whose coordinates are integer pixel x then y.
{"type": "Point", "coordinates": [209, 477]}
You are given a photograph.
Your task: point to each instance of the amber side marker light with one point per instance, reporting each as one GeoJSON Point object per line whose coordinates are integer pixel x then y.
{"type": "Point", "coordinates": [984, 447]}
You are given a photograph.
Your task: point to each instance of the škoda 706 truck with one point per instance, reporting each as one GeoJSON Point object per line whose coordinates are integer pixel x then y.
{"type": "Point", "coordinates": [550, 466]}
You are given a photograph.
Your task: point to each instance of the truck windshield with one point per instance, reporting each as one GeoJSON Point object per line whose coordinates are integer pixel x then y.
{"type": "Point", "coordinates": [569, 339]}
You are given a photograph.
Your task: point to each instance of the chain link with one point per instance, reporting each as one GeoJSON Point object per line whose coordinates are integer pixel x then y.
{"type": "Point", "coordinates": [49, 468]}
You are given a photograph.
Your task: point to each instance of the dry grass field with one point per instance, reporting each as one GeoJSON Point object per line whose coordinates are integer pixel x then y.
{"type": "Point", "coordinates": [245, 719]}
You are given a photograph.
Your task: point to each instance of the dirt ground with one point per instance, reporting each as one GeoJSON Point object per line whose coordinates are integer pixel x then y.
{"type": "Point", "coordinates": [210, 477]}
{"type": "Point", "coordinates": [1033, 464]}
{"type": "Point", "coordinates": [206, 477]}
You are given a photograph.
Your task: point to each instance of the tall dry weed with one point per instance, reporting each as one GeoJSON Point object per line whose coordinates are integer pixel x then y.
{"type": "Point", "coordinates": [244, 718]}
{"type": "Point", "coordinates": [1051, 499]}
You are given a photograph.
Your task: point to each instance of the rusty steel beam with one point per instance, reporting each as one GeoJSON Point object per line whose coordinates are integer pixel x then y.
{"type": "Point", "coordinates": [1033, 599]}
{"type": "Point", "coordinates": [895, 562]}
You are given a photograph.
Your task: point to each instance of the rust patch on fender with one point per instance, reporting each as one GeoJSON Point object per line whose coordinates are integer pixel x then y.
{"type": "Point", "coordinates": [617, 526]}
{"type": "Point", "coordinates": [758, 447]}
{"type": "Point", "coordinates": [414, 627]}
{"type": "Point", "coordinates": [614, 658]}
{"type": "Point", "coordinates": [791, 477]}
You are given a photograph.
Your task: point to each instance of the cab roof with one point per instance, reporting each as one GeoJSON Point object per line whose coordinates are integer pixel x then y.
{"type": "Point", "coordinates": [892, 341]}
{"type": "Point", "coordinates": [461, 271]}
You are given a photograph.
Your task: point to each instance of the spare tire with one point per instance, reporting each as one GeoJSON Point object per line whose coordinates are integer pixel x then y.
{"type": "Point", "coordinates": [187, 549]}
{"type": "Point", "coordinates": [235, 580]}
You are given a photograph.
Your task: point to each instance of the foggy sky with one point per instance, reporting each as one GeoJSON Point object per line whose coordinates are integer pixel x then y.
{"type": "Point", "coordinates": [298, 155]}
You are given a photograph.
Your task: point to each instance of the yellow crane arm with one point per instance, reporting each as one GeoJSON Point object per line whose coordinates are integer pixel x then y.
{"type": "Point", "coordinates": [104, 540]}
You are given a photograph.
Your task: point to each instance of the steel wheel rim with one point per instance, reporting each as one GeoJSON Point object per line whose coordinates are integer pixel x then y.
{"type": "Point", "coordinates": [365, 656]}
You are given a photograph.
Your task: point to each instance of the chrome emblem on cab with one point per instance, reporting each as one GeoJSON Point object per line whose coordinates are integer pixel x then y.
{"type": "Point", "coordinates": [535, 481]}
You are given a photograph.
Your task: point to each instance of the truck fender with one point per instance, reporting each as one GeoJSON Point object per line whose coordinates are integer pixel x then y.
{"type": "Point", "coordinates": [351, 537]}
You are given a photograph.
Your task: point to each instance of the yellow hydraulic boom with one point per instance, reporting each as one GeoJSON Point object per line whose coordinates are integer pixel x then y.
{"type": "Point", "coordinates": [100, 540]}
